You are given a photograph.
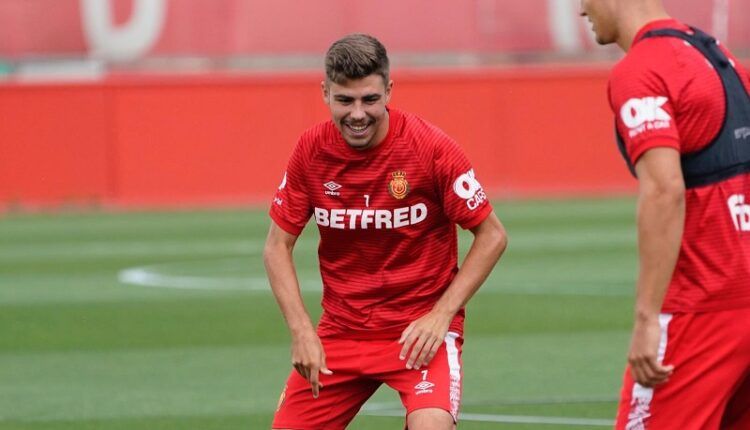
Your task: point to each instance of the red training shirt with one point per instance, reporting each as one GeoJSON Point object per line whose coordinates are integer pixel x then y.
{"type": "Point", "coordinates": [386, 215]}
{"type": "Point", "coordinates": [665, 93]}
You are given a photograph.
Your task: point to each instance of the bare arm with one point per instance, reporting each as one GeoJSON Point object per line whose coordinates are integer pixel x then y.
{"type": "Point", "coordinates": [424, 335]}
{"type": "Point", "coordinates": [661, 218]}
{"type": "Point", "coordinates": [308, 356]}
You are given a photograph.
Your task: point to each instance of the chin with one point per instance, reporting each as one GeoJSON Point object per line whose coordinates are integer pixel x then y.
{"type": "Point", "coordinates": [604, 41]}
{"type": "Point", "coordinates": [359, 144]}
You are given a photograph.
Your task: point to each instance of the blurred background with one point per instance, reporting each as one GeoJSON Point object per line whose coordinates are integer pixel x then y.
{"type": "Point", "coordinates": [141, 142]}
{"type": "Point", "coordinates": [165, 102]}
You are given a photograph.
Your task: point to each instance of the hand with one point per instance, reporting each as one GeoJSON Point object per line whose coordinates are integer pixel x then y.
{"type": "Point", "coordinates": [309, 359]}
{"type": "Point", "coordinates": [423, 337]}
{"type": "Point", "coordinates": [643, 355]}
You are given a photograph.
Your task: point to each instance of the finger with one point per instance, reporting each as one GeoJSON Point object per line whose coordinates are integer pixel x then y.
{"type": "Point", "coordinates": [325, 370]}
{"type": "Point", "coordinates": [314, 381]}
{"type": "Point", "coordinates": [301, 370]}
{"type": "Point", "coordinates": [433, 351]}
{"type": "Point", "coordinates": [647, 377]}
{"type": "Point", "coordinates": [637, 373]}
{"type": "Point", "coordinates": [660, 373]}
{"type": "Point", "coordinates": [405, 334]}
{"type": "Point", "coordinates": [656, 370]}
{"type": "Point", "coordinates": [408, 342]}
{"type": "Point", "coordinates": [660, 369]}
{"type": "Point", "coordinates": [415, 351]}
{"type": "Point", "coordinates": [426, 351]}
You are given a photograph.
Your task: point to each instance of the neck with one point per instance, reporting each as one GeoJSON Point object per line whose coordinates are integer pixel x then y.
{"type": "Point", "coordinates": [383, 131]}
{"type": "Point", "coordinates": [636, 14]}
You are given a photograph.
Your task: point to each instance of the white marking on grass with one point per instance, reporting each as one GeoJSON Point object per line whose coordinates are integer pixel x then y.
{"type": "Point", "coordinates": [156, 276]}
{"type": "Point", "coordinates": [115, 248]}
{"type": "Point", "coordinates": [394, 409]}
{"type": "Point", "coordinates": [150, 276]}
{"type": "Point", "coordinates": [375, 410]}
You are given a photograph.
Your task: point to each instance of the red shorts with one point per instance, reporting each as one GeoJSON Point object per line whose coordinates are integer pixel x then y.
{"type": "Point", "coordinates": [710, 386]}
{"type": "Point", "coordinates": [359, 367]}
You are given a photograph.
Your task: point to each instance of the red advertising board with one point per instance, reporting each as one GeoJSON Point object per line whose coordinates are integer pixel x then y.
{"type": "Point", "coordinates": [128, 29]}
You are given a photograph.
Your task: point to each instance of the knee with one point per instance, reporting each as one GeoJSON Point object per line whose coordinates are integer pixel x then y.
{"type": "Point", "coordinates": [430, 419]}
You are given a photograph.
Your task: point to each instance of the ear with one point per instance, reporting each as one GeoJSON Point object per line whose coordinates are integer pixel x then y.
{"type": "Point", "coordinates": [324, 91]}
{"type": "Point", "coordinates": [388, 91]}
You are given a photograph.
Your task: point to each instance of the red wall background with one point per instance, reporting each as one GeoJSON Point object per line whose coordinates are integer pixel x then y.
{"type": "Point", "coordinates": [33, 28]}
{"type": "Point", "coordinates": [225, 139]}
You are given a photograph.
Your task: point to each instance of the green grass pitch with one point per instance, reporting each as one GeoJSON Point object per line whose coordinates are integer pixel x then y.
{"type": "Point", "coordinates": [163, 320]}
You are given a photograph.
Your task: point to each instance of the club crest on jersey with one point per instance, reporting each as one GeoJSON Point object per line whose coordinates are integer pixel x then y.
{"type": "Point", "coordinates": [398, 187]}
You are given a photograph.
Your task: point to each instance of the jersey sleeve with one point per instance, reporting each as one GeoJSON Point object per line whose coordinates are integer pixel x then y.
{"type": "Point", "coordinates": [464, 200]}
{"type": "Point", "coordinates": [643, 104]}
{"type": "Point", "coordinates": [291, 208]}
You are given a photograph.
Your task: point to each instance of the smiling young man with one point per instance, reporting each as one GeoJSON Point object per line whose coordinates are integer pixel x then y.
{"type": "Point", "coordinates": [683, 124]}
{"type": "Point", "coordinates": [386, 190]}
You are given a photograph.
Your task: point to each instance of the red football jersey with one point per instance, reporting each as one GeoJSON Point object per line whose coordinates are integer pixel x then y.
{"type": "Point", "coordinates": [665, 93]}
{"type": "Point", "coordinates": [387, 215]}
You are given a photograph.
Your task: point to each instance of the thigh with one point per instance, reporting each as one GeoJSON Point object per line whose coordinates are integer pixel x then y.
{"type": "Point", "coordinates": [437, 385]}
{"type": "Point", "coordinates": [704, 350]}
{"type": "Point", "coordinates": [343, 393]}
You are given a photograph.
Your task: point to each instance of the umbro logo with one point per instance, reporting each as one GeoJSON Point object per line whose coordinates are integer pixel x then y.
{"type": "Point", "coordinates": [332, 188]}
{"type": "Point", "coordinates": [424, 387]}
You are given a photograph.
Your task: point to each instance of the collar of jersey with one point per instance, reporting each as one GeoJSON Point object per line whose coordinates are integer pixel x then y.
{"type": "Point", "coordinates": [394, 121]}
{"type": "Point", "coordinates": [659, 24]}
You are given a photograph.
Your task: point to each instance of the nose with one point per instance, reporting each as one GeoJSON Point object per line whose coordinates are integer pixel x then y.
{"type": "Point", "coordinates": [357, 113]}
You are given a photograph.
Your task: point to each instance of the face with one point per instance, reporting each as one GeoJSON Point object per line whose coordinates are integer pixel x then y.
{"type": "Point", "coordinates": [358, 109]}
{"type": "Point", "coordinates": [602, 16]}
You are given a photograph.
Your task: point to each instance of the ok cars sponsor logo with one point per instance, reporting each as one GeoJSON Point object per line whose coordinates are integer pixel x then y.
{"type": "Point", "coordinates": [647, 113]}
{"type": "Point", "coordinates": [468, 188]}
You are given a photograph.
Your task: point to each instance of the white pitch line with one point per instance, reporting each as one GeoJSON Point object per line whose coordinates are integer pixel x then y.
{"type": "Point", "coordinates": [148, 276]}
{"type": "Point", "coordinates": [151, 276]}
{"type": "Point", "coordinates": [510, 419]}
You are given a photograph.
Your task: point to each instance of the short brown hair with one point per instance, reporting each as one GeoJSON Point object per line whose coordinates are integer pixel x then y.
{"type": "Point", "coordinates": [356, 56]}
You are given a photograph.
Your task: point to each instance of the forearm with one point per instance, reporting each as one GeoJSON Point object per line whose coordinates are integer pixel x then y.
{"type": "Point", "coordinates": [489, 243]}
{"type": "Point", "coordinates": [285, 286]}
{"type": "Point", "coordinates": [661, 216]}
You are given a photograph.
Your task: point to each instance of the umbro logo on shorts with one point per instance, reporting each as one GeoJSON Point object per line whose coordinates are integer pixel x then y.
{"type": "Point", "coordinates": [424, 387]}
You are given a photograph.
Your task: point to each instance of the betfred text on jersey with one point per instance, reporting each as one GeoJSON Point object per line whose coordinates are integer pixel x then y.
{"type": "Point", "coordinates": [468, 188]}
{"type": "Point", "coordinates": [644, 114]}
{"type": "Point", "coordinates": [740, 212]}
{"type": "Point", "coordinates": [364, 219]}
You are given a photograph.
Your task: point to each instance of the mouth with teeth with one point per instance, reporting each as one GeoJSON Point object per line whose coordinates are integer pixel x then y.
{"type": "Point", "coordinates": [358, 130]}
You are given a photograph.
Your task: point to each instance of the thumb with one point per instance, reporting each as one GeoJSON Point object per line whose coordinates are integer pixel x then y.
{"type": "Point", "coordinates": [323, 366]}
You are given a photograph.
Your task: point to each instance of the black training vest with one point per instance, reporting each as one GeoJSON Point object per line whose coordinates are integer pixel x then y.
{"type": "Point", "coordinates": [728, 155]}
